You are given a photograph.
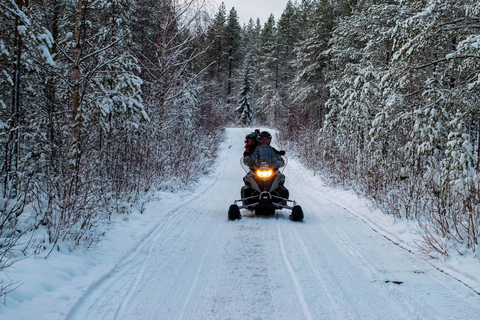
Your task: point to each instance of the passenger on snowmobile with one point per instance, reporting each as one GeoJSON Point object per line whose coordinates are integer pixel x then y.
{"type": "Point", "coordinates": [251, 142]}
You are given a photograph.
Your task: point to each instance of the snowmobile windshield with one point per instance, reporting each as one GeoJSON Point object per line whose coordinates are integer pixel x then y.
{"type": "Point", "coordinates": [264, 157]}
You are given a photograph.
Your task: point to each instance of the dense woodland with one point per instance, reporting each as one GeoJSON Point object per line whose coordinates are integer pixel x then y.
{"type": "Point", "coordinates": [103, 101]}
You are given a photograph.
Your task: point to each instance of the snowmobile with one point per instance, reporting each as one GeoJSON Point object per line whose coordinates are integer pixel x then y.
{"type": "Point", "coordinates": [264, 189]}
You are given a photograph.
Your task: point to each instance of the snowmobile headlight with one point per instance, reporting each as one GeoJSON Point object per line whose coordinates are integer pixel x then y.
{"type": "Point", "coordinates": [264, 174]}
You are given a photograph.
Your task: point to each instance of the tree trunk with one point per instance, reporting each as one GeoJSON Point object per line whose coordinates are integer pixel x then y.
{"type": "Point", "coordinates": [478, 145]}
{"type": "Point", "coordinates": [76, 67]}
{"type": "Point", "coordinates": [76, 86]}
{"type": "Point", "coordinates": [50, 88]}
{"type": "Point", "coordinates": [163, 44]}
{"type": "Point", "coordinates": [230, 69]}
{"type": "Point", "coordinates": [12, 147]}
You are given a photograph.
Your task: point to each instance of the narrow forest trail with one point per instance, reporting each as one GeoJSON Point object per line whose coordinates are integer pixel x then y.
{"type": "Point", "coordinates": [198, 265]}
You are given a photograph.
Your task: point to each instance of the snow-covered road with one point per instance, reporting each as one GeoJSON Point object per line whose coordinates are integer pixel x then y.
{"type": "Point", "coordinates": [195, 264]}
{"type": "Point", "coordinates": [198, 265]}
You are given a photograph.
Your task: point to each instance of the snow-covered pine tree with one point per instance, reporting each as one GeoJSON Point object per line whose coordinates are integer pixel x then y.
{"type": "Point", "coordinates": [268, 70]}
{"type": "Point", "coordinates": [288, 37]}
{"type": "Point", "coordinates": [308, 89]}
{"type": "Point", "coordinates": [106, 105]}
{"type": "Point", "coordinates": [233, 49]}
{"type": "Point", "coordinates": [217, 65]}
{"type": "Point", "coordinates": [245, 104]}
{"type": "Point", "coordinates": [216, 47]}
{"type": "Point", "coordinates": [24, 51]}
{"type": "Point", "coordinates": [422, 117]}
{"type": "Point", "coordinates": [309, 86]}
{"type": "Point", "coordinates": [359, 52]}
{"type": "Point", "coordinates": [251, 40]}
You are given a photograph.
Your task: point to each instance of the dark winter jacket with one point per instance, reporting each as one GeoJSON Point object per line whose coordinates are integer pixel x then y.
{"type": "Point", "coordinates": [249, 150]}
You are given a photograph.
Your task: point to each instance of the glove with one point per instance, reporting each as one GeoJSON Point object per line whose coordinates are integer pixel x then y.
{"type": "Point", "coordinates": [281, 152]}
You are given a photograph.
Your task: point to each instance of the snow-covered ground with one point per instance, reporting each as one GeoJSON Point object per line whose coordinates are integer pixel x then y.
{"type": "Point", "coordinates": [182, 259]}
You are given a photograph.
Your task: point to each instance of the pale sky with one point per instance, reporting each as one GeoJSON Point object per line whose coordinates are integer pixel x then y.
{"type": "Point", "coordinates": [262, 9]}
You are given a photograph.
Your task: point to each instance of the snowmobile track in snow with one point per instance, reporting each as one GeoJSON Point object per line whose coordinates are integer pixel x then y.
{"type": "Point", "coordinates": [131, 261]}
{"type": "Point", "coordinates": [298, 288]}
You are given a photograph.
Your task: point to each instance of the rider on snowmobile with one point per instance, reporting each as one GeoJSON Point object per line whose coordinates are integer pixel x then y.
{"type": "Point", "coordinates": [264, 190]}
{"type": "Point", "coordinates": [264, 138]}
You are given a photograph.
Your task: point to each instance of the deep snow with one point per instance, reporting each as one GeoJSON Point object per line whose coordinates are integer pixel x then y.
{"type": "Point", "coordinates": [182, 259]}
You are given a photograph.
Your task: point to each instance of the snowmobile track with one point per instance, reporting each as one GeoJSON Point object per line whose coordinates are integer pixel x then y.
{"type": "Point", "coordinates": [298, 288]}
{"type": "Point", "coordinates": [131, 262]}
{"type": "Point", "coordinates": [197, 276]}
{"type": "Point", "coordinates": [336, 308]}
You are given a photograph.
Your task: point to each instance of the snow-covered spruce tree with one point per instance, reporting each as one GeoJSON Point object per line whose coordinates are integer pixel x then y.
{"type": "Point", "coordinates": [106, 106]}
{"type": "Point", "coordinates": [216, 39]}
{"type": "Point", "coordinates": [434, 76]}
{"type": "Point", "coordinates": [308, 90]}
{"type": "Point", "coordinates": [268, 69]}
{"type": "Point", "coordinates": [465, 59]}
{"type": "Point", "coordinates": [24, 52]}
{"type": "Point", "coordinates": [288, 36]}
{"type": "Point", "coordinates": [216, 64]}
{"type": "Point", "coordinates": [233, 41]}
{"type": "Point", "coordinates": [358, 53]}
{"type": "Point", "coordinates": [348, 124]}
{"type": "Point", "coordinates": [458, 170]}
{"type": "Point", "coordinates": [251, 41]}
{"type": "Point", "coordinates": [245, 104]}
{"type": "Point", "coordinates": [310, 63]}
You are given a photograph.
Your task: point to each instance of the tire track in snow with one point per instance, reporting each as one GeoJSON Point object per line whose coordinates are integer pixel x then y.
{"type": "Point", "coordinates": [345, 240]}
{"type": "Point", "coordinates": [132, 261]}
{"type": "Point", "coordinates": [337, 308]}
{"type": "Point", "coordinates": [197, 275]}
{"type": "Point", "coordinates": [382, 232]}
{"type": "Point", "coordinates": [341, 235]}
{"type": "Point", "coordinates": [135, 265]}
{"type": "Point", "coordinates": [123, 306]}
{"type": "Point", "coordinates": [133, 289]}
{"type": "Point", "coordinates": [298, 289]}
{"type": "Point", "coordinates": [128, 265]}
{"type": "Point", "coordinates": [377, 271]}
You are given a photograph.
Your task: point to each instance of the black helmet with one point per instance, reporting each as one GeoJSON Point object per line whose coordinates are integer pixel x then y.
{"type": "Point", "coordinates": [265, 135]}
{"type": "Point", "coordinates": [252, 136]}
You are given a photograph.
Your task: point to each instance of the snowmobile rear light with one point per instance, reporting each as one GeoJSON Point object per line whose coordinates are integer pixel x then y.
{"type": "Point", "coordinates": [264, 174]}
